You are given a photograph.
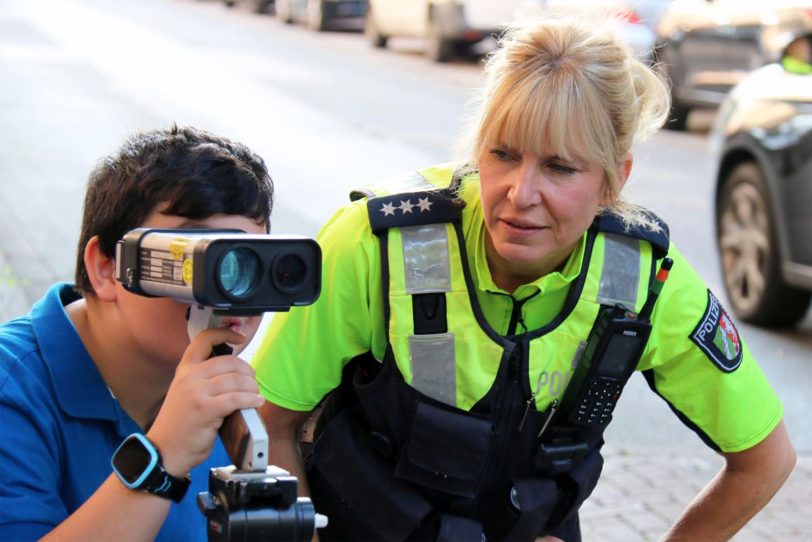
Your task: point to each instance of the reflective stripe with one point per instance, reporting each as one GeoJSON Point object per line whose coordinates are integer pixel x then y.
{"type": "Point", "coordinates": [427, 269]}
{"type": "Point", "coordinates": [434, 368]}
{"type": "Point", "coordinates": [620, 275]}
{"type": "Point", "coordinates": [425, 258]}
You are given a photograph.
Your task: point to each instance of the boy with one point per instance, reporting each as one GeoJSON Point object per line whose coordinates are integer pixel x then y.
{"type": "Point", "coordinates": [93, 364]}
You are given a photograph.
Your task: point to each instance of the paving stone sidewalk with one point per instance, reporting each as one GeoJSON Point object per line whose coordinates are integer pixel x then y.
{"type": "Point", "coordinates": [640, 494]}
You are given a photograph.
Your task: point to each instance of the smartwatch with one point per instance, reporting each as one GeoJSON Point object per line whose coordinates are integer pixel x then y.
{"type": "Point", "coordinates": [138, 465]}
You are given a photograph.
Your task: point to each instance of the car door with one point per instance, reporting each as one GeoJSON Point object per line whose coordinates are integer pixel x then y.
{"type": "Point", "coordinates": [798, 188]}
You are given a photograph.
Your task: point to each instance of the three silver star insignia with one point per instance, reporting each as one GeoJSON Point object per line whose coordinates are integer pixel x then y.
{"type": "Point", "coordinates": [406, 206]}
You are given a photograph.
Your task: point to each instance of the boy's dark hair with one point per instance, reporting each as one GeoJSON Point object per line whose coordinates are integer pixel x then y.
{"type": "Point", "coordinates": [193, 173]}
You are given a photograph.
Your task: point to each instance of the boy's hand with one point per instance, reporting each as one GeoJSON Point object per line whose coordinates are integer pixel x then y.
{"type": "Point", "coordinates": [203, 392]}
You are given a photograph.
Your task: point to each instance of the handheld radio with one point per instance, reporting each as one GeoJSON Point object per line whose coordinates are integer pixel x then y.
{"type": "Point", "coordinates": [613, 349]}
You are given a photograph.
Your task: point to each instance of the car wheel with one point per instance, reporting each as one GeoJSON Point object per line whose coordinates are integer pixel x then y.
{"type": "Point", "coordinates": [372, 33]}
{"type": "Point", "coordinates": [438, 47]}
{"type": "Point", "coordinates": [262, 6]}
{"type": "Point", "coordinates": [315, 15]}
{"type": "Point", "coordinates": [748, 250]}
{"type": "Point", "coordinates": [678, 116]}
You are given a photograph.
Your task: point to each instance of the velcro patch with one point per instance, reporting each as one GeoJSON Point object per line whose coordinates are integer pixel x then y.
{"type": "Point", "coordinates": [718, 337]}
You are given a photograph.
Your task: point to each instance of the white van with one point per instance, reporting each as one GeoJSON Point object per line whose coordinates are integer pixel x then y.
{"type": "Point", "coordinates": [448, 26]}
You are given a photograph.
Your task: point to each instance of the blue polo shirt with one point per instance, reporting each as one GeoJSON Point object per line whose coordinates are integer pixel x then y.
{"type": "Point", "coordinates": [59, 427]}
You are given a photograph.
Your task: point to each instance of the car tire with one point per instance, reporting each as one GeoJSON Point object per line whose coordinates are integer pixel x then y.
{"type": "Point", "coordinates": [438, 47]}
{"type": "Point", "coordinates": [262, 6]}
{"type": "Point", "coordinates": [315, 15]}
{"type": "Point", "coordinates": [678, 116]}
{"type": "Point", "coordinates": [749, 254]}
{"type": "Point", "coordinates": [373, 33]}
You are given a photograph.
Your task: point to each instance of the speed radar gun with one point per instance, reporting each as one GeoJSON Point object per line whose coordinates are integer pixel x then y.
{"type": "Point", "coordinates": [229, 273]}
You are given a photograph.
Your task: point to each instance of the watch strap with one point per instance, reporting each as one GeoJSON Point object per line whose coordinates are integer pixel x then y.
{"type": "Point", "coordinates": [157, 480]}
{"type": "Point", "coordinates": [163, 484]}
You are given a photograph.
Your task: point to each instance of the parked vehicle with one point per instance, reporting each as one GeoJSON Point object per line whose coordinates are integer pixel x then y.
{"type": "Point", "coordinates": [323, 14]}
{"type": "Point", "coordinates": [705, 47]}
{"type": "Point", "coordinates": [257, 6]}
{"type": "Point", "coordinates": [763, 136]}
{"type": "Point", "coordinates": [635, 31]}
{"type": "Point", "coordinates": [449, 27]}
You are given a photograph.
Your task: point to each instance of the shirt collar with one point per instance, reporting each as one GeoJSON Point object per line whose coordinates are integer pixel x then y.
{"type": "Point", "coordinates": [78, 385]}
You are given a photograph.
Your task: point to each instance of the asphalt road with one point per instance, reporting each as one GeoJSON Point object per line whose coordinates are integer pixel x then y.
{"type": "Point", "coordinates": [326, 111]}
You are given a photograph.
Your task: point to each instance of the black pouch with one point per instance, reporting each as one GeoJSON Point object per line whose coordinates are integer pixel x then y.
{"type": "Point", "coordinates": [575, 486]}
{"type": "Point", "coordinates": [446, 450]}
{"type": "Point", "coordinates": [459, 529]}
{"type": "Point", "coordinates": [534, 500]}
{"type": "Point", "coordinates": [356, 488]}
{"type": "Point", "coordinates": [378, 388]}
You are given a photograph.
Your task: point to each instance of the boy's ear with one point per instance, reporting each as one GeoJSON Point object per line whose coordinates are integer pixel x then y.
{"type": "Point", "coordinates": [101, 270]}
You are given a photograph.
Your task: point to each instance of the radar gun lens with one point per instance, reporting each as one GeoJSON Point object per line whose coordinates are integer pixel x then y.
{"type": "Point", "coordinates": [289, 272]}
{"type": "Point", "coordinates": [238, 272]}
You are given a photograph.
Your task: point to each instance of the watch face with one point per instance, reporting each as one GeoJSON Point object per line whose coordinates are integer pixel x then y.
{"type": "Point", "coordinates": [134, 459]}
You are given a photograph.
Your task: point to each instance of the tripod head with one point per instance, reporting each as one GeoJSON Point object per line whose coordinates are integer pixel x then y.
{"type": "Point", "coordinates": [257, 506]}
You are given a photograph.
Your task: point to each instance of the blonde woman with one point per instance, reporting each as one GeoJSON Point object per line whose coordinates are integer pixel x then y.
{"type": "Point", "coordinates": [478, 321]}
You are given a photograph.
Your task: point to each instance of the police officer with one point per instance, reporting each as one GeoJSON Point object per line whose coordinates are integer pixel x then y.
{"type": "Point", "coordinates": [458, 338]}
{"type": "Point", "coordinates": [797, 57]}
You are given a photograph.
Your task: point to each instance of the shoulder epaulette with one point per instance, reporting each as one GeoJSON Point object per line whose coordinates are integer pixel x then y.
{"type": "Point", "coordinates": [659, 239]}
{"type": "Point", "coordinates": [413, 209]}
{"type": "Point", "coordinates": [411, 199]}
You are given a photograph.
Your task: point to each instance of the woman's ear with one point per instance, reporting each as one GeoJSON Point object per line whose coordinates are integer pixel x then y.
{"type": "Point", "coordinates": [101, 270]}
{"type": "Point", "coordinates": [625, 170]}
{"type": "Point", "coordinates": [612, 193]}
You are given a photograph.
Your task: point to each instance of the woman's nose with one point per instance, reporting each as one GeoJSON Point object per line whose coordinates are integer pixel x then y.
{"type": "Point", "coordinates": [525, 187]}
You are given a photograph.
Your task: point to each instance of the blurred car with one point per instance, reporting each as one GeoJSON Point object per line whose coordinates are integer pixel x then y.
{"type": "Point", "coordinates": [257, 6]}
{"type": "Point", "coordinates": [763, 139]}
{"type": "Point", "coordinates": [449, 27]}
{"type": "Point", "coordinates": [634, 29]}
{"type": "Point", "coordinates": [323, 14]}
{"type": "Point", "coordinates": [705, 47]}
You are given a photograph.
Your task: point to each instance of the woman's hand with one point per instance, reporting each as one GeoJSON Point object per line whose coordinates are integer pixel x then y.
{"type": "Point", "coordinates": [203, 392]}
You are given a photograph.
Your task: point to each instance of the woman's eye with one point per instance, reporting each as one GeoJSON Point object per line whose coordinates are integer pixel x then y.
{"type": "Point", "coordinates": [562, 169]}
{"type": "Point", "coordinates": [501, 154]}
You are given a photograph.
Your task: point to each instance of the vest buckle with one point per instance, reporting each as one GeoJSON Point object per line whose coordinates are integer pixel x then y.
{"type": "Point", "coordinates": [559, 456]}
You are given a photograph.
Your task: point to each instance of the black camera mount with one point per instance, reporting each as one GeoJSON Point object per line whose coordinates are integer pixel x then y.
{"type": "Point", "coordinates": [257, 506]}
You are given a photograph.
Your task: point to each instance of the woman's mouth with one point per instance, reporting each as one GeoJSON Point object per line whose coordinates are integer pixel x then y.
{"type": "Point", "coordinates": [521, 227]}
